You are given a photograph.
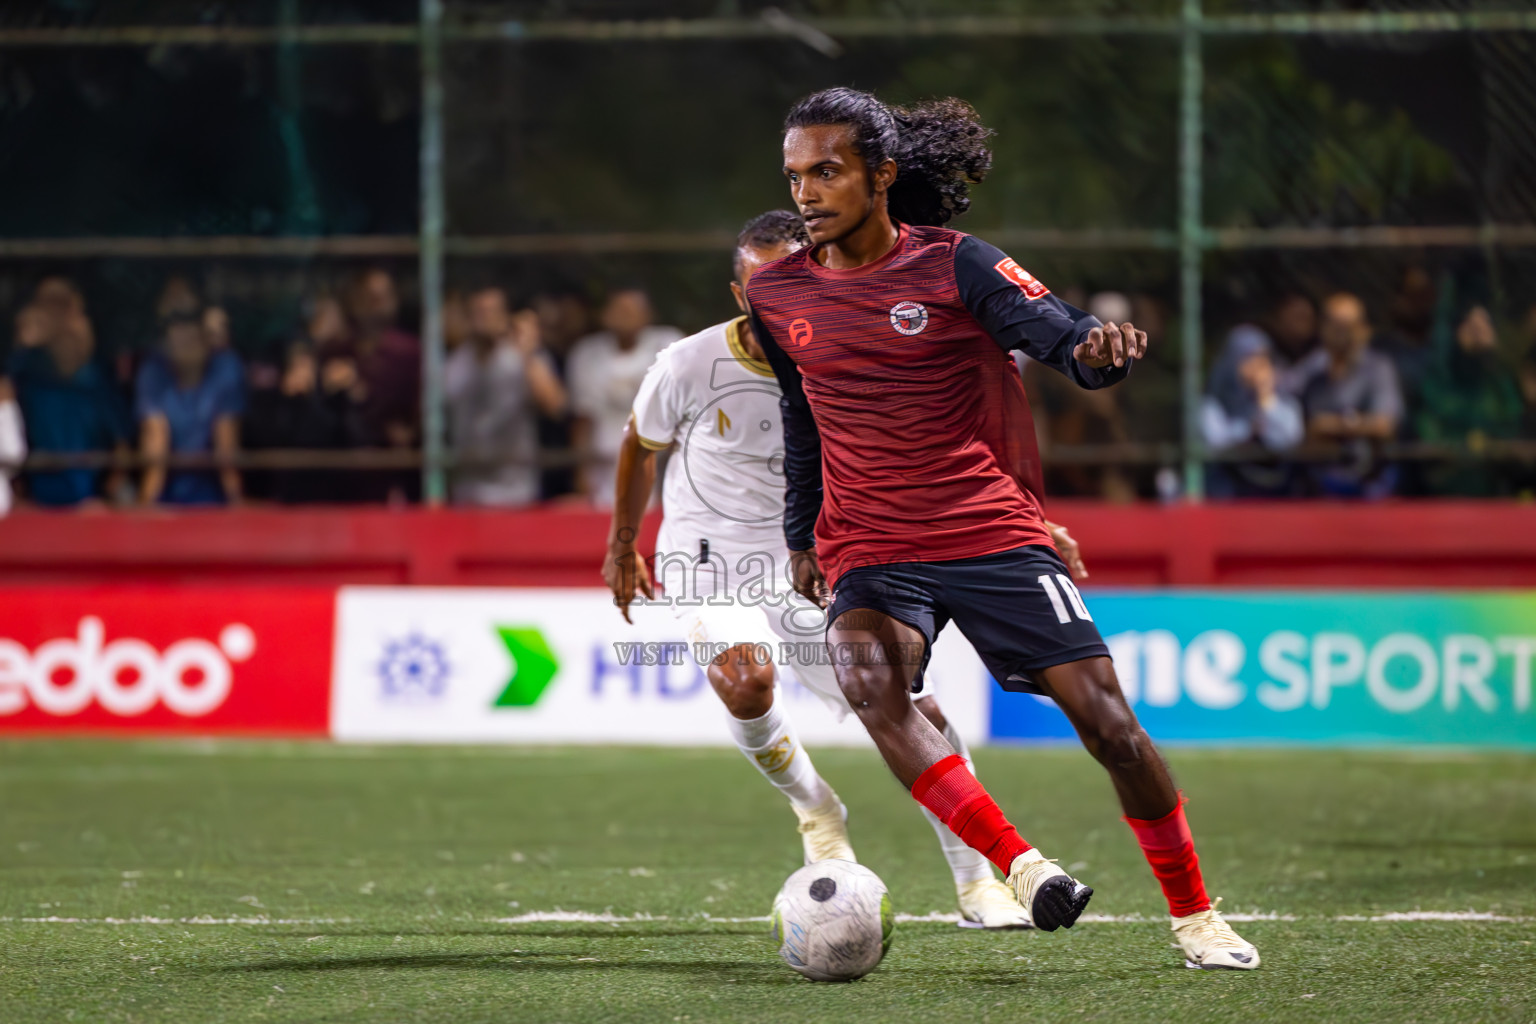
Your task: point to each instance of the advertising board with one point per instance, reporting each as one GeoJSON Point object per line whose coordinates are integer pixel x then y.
{"type": "Point", "coordinates": [1363, 667]}
{"type": "Point", "coordinates": [142, 660]}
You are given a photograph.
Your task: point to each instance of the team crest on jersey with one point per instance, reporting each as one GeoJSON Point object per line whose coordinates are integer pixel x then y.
{"type": "Point", "coordinates": [1027, 282]}
{"type": "Point", "coordinates": [909, 317]}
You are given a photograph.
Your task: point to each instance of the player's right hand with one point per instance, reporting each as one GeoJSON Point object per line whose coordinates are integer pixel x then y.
{"type": "Point", "coordinates": [1067, 547]}
{"type": "Point", "coordinates": [810, 583]}
{"type": "Point", "coordinates": [1111, 343]}
{"type": "Point", "coordinates": [626, 575]}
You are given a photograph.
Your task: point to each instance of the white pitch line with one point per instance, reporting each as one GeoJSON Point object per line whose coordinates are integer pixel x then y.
{"type": "Point", "coordinates": [1435, 915]}
{"type": "Point", "coordinates": [933, 917]}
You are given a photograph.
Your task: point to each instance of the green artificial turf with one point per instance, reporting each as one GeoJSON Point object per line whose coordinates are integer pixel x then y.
{"type": "Point", "coordinates": [297, 882]}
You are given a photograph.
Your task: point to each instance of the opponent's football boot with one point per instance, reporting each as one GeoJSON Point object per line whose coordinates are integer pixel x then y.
{"type": "Point", "coordinates": [824, 831]}
{"type": "Point", "coordinates": [990, 904]}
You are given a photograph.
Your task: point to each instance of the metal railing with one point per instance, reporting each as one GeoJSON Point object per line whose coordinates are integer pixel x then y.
{"type": "Point", "coordinates": [1127, 453]}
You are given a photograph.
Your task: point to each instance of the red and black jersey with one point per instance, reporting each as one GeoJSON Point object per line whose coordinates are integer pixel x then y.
{"type": "Point", "coordinates": [906, 431]}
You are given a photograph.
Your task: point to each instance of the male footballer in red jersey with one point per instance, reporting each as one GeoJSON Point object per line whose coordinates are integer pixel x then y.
{"type": "Point", "coordinates": [913, 479]}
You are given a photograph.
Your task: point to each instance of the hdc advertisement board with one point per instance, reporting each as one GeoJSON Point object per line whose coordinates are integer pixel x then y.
{"type": "Point", "coordinates": [1308, 667]}
{"type": "Point", "coordinates": [136, 660]}
{"type": "Point", "coordinates": [558, 665]}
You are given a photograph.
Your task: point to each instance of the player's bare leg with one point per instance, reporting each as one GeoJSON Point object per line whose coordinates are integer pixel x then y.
{"type": "Point", "coordinates": [984, 901]}
{"type": "Point", "coordinates": [744, 682]}
{"type": "Point", "coordinates": [1090, 696]}
{"type": "Point", "coordinates": [876, 657]}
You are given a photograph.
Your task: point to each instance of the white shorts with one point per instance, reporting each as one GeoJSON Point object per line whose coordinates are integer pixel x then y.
{"type": "Point", "coordinates": [791, 629]}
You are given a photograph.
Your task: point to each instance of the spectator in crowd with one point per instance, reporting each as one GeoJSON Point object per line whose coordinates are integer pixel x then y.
{"type": "Point", "coordinates": [563, 320]}
{"type": "Point", "coordinates": [605, 371]}
{"type": "Point", "coordinates": [1527, 381]}
{"type": "Point", "coordinates": [62, 303]}
{"type": "Point", "coordinates": [325, 326]}
{"type": "Point", "coordinates": [185, 404]}
{"type": "Point", "coordinates": [314, 406]}
{"type": "Point", "coordinates": [1406, 340]}
{"type": "Point", "coordinates": [13, 442]}
{"type": "Point", "coordinates": [179, 302]}
{"type": "Point", "coordinates": [1468, 397]}
{"type": "Point", "coordinates": [388, 360]}
{"type": "Point", "coordinates": [1292, 328]}
{"type": "Point", "coordinates": [1243, 406]}
{"type": "Point", "coordinates": [495, 386]}
{"type": "Point", "coordinates": [1351, 396]}
{"type": "Point", "coordinates": [68, 402]}
{"type": "Point", "coordinates": [216, 329]}
{"type": "Point", "coordinates": [455, 320]}
{"type": "Point", "coordinates": [1153, 404]}
{"type": "Point", "coordinates": [388, 363]}
{"type": "Point", "coordinates": [1074, 416]}
{"type": "Point", "coordinates": [177, 298]}
{"type": "Point", "coordinates": [1523, 474]}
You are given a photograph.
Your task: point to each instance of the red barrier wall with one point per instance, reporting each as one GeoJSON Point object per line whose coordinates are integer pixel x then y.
{"type": "Point", "coordinates": [1426, 544]}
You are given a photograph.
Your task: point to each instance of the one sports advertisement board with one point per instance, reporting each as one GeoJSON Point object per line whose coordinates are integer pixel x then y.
{"type": "Point", "coordinates": [1306, 667]}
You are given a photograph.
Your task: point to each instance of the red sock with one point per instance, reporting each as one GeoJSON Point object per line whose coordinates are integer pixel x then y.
{"type": "Point", "coordinates": [950, 791]}
{"type": "Point", "coordinates": [1170, 849]}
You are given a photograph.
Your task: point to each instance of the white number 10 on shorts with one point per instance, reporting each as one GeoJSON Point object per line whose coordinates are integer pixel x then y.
{"type": "Point", "coordinates": [1048, 584]}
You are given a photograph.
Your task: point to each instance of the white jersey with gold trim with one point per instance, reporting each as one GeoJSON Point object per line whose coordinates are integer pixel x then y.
{"type": "Point", "coordinates": [719, 407]}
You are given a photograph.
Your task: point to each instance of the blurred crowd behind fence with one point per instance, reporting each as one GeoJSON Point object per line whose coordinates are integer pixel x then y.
{"type": "Point", "coordinates": [246, 246]}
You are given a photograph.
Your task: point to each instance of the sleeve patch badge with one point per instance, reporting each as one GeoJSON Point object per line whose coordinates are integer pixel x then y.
{"type": "Point", "coordinates": [1015, 274]}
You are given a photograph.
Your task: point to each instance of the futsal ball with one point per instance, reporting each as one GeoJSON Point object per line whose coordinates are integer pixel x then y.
{"type": "Point", "coordinates": [832, 921]}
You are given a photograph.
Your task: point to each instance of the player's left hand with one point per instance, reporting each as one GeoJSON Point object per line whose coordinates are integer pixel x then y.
{"type": "Point", "coordinates": [809, 581]}
{"type": "Point", "coordinates": [1067, 547]}
{"type": "Point", "coordinates": [1111, 344]}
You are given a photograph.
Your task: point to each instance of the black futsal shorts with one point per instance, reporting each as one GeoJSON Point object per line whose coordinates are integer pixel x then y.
{"type": "Point", "coordinates": [1018, 608]}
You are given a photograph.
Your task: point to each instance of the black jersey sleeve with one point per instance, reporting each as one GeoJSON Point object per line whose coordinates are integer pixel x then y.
{"type": "Point", "coordinates": [1019, 313]}
{"type": "Point", "coordinates": [802, 446]}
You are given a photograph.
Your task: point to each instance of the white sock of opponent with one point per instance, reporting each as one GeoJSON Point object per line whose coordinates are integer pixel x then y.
{"type": "Point", "coordinates": [773, 747]}
{"type": "Point", "coordinates": [966, 864]}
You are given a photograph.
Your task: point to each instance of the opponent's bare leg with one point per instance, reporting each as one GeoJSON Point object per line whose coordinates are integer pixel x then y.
{"type": "Point", "coordinates": [744, 681]}
{"type": "Point", "coordinates": [876, 657]}
{"type": "Point", "coordinates": [1090, 696]}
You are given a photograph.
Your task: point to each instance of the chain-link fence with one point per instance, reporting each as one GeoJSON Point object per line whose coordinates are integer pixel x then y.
{"type": "Point", "coordinates": [1196, 166]}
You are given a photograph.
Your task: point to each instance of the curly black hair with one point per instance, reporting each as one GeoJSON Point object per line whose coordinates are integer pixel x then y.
{"type": "Point", "coordinates": [940, 147]}
{"type": "Point", "coordinates": [767, 230]}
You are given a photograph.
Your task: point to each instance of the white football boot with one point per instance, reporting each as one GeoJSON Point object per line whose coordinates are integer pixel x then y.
{"type": "Point", "coordinates": [1053, 898]}
{"type": "Point", "coordinates": [824, 831]}
{"type": "Point", "coordinates": [990, 904]}
{"type": "Point", "coordinates": [1210, 944]}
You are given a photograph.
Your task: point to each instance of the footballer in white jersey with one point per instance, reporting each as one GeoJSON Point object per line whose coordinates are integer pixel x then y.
{"type": "Point", "coordinates": [723, 565]}
{"type": "Point", "coordinates": [720, 558]}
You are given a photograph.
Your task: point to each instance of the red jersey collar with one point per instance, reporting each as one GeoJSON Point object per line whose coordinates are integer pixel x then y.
{"type": "Point", "coordinates": [902, 231]}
